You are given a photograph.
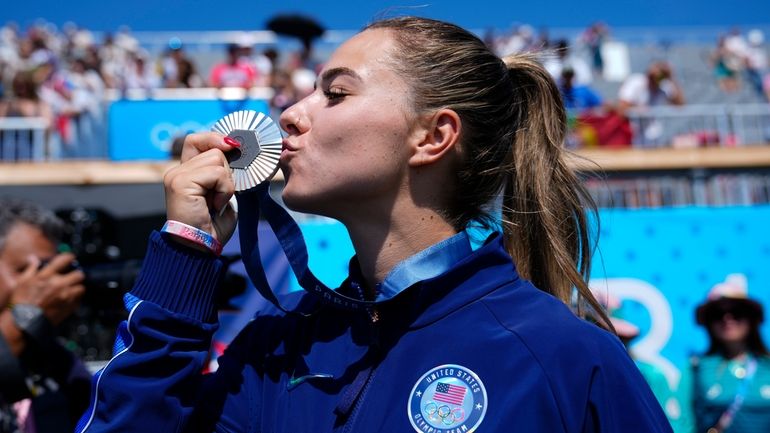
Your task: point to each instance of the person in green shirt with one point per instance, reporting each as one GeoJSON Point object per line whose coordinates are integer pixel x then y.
{"type": "Point", "coordinates": [731, 381]}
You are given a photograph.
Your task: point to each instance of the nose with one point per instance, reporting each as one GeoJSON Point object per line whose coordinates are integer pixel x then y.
{"type": "Point", "coordinates": [292, 120]}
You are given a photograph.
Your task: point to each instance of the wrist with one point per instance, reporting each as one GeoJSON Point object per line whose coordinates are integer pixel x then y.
{"type": "Point", "coordinates": [11, 333]}
{"type": "Point", "coordinates": [179, 279]}
{"type": "Point", "coordinates": [176, 240]}
{"type": "Point", "coordinates": [30, 320]}
{"type": "Point", "coordinates": [192, 237]}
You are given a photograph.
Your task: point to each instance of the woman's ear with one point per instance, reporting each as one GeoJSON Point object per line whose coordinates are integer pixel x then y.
{"type": "Point", "coordinates": [438, 136]}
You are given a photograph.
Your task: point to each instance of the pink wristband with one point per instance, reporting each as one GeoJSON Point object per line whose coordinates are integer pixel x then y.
{"type": "Point", "coordinates": [192, 234]}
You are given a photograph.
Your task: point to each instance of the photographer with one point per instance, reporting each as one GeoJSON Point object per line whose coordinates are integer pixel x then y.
{"type": "Point", "coordinates": [43, 386]}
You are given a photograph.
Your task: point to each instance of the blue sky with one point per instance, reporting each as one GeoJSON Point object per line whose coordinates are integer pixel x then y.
{"type": "Point", "coordinates": [353, 14]}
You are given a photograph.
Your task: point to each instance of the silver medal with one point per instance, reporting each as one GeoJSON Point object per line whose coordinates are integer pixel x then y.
{"type": "Point", "coordinates": [256, 161]}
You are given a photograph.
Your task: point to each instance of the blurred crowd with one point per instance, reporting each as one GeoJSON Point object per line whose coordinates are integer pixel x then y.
{"type": "Point", "coordinates": [48, 72]}
{"type": "Point", "coordinates": [47, 75]}
{"type": "Point", "coordinates": [62, 75]}
{"type": "Point", "coordinates": [737, 58]}
{"type": "Point", "coordinates": [602, 115]}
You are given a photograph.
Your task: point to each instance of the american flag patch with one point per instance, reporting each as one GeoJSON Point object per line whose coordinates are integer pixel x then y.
{"type": "Point", "coordinates": [448, 393]}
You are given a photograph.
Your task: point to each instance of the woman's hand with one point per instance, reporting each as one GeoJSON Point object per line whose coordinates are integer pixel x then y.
{"type": "Point", "coordinates": [199, 189]}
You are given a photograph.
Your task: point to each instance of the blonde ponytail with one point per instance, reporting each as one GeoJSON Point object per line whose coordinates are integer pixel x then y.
{"type": "Point", "coordinates": [545, 206]}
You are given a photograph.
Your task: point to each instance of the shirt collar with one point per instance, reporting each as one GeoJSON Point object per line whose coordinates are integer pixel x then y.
{"type": "Point", "coordinates": [428, 263]}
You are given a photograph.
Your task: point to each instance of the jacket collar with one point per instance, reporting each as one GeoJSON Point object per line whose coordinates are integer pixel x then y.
{"type": "Point", "coordinates": [420, 286]}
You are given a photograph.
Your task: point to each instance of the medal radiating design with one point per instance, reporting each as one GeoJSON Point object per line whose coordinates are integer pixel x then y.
{"type": "Point", "coordinates": [256, 161]}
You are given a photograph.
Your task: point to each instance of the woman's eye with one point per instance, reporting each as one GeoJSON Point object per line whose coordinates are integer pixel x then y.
{"type": "Point", "coordinates": [334, 95]}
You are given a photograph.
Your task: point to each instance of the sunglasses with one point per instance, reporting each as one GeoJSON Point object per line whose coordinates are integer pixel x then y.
{"type": "Point", "coordinates": [735, 313]}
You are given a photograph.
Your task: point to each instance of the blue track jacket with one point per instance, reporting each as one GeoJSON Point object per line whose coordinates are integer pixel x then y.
{"type": "Point", "coordinates": [473, 347]}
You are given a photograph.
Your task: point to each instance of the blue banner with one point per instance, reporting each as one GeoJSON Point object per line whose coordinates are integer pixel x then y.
{"type": "Point", "coordinates": [145, 129]}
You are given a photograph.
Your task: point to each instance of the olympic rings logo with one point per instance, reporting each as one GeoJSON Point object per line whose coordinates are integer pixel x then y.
{"type": "Point", "coordinates": [443, 414]}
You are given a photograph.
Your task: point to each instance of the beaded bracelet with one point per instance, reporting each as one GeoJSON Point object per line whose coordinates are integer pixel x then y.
{"type": "Point", "coordinates": [192, 234]}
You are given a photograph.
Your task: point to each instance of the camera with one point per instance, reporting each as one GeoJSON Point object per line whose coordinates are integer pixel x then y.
{"type": "Point", "coordinates": [110, 251]}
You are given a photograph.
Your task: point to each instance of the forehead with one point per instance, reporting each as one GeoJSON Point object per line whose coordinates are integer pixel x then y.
{"type": "Point", "coordinates": [23, 240]}
{"type": "Point", "coordinates": [368, 53]}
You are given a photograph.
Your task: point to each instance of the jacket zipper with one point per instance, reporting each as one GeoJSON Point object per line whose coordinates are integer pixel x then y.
{"type": "Point", "coordinates": [374, 318]}
{"type": "Point", "coordinates": [352, 418]}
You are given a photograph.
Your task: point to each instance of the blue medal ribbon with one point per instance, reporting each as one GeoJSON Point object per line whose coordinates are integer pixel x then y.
{"type": "Point", "coordinates": [257, 201]}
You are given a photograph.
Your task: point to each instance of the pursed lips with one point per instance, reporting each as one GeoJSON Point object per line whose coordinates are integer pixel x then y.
{"type": "Point", "coordinates": [287, 149]}
{"type": "Point", "coordinates": [288, 146]}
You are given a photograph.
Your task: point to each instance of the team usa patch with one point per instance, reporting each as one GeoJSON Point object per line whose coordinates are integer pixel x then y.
{"type": "Point", "coordinates": [447, 399]}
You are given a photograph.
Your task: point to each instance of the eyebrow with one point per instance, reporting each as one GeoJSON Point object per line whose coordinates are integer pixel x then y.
{"type": "Point", "coordinates": [330, 74]}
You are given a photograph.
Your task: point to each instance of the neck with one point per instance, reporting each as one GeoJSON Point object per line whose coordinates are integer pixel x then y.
{"type": "Point", "coordinates": [381, 245]}
{"type": "Point", "coordinates": [389, 228]}
{"type": "Point", "coordinates": [734, 350]}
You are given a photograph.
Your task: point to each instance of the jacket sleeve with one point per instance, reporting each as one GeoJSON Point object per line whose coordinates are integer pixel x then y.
{"type": "Point", "coordinates": [154, 380]}
{"type": "Point", "coordinates": [620, 400]}
{"type": "Point", "coordinates": [12, 375]}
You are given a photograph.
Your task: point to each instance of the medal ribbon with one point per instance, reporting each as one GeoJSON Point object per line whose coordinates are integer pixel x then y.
{"type": "Point", "coordinates": [257, 202]}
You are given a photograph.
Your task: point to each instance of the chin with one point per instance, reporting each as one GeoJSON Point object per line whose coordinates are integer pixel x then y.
{"type": "Point", "coordinates": [299, 202]}
{"type": "Point", "coordinates": [315, 204]}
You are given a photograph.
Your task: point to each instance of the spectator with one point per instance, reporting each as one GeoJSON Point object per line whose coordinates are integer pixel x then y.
{"type": "Point", "coordinates": [577, 97]}
{"type": "Point", "coordinates": [756, 61]}
{"type": "Point", "coordinates": [40, 53]}
{"type": "Point", "coordinates": [177, 69]}
{"type": "Point", "coordinates": [731, 381]}
{"type": "Point", "coordinates": [284, 93]}
{"type": "Point", "coordinates": [563, 58]}
{"type": "Point", "coordinates": [58, 92]}
{"type": "Point", "coordinates": [113, 62]}
{"type": "Point", "coordinates": [264, 63]}
{"type": "Point", "coordinates": [520, 39]}
{"type": "Point", "coordinates": [87, 89]}
{"type": "Point", "coordinates": [25, 101]}
{"type": "Point", "coordinates": [736, 44]}
{"type": "Point", "coordinates": [10, 61]}
{"type": "Point", "coordinates": [140, 75]}
{"type": "Point", "coordinates": [43, 386]}
{"type": "Point", "coordinates": [657, 87]}
{"type": "Point", "coordinates": [726, 64]}
{"type": "Point", "coordinates": [233, 72]}
{"type": "Point", "coordinates": [594, 36]}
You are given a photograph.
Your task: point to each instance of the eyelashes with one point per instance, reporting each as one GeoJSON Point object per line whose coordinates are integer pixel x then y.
{"type": "Point", "coordinates": [334, 95]}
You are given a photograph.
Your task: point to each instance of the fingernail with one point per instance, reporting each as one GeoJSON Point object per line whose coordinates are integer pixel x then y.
{"type": "Point", "coordinates": [232, 142]}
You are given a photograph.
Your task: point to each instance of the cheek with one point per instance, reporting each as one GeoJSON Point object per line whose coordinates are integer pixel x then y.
{"type": "Point", "coordinates": [737, 330]}
{"type": "Point", "coordinates": [742, 329]}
